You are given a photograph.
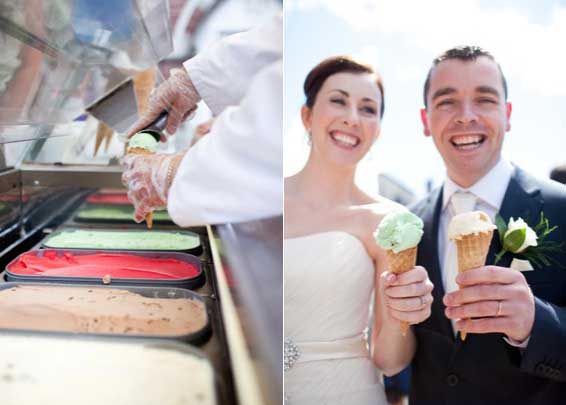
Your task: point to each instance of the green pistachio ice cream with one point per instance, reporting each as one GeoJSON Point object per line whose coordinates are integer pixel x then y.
{"type": "Point", "coordinates": [122, 240]}
{"type": "Point", "coordinates": [399, 231]}
{"type": "Point", "coordinates": [100, 212]}
{"type": "Point", "coordinates": [143, 140]}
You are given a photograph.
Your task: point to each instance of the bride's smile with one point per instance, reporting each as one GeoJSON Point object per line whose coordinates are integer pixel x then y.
{"type": "Point", "coordinates": [344, 120]}
{"type": "Point", "coordinates": [345, 140]}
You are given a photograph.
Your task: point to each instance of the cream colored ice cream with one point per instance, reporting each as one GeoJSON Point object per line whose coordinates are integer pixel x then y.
{"type": "Point", "coordinates": [45, 370]}
{"type": "Point", "coordinates": [98, 310]}
{"type": "Point", "coordinates": [468, 223]}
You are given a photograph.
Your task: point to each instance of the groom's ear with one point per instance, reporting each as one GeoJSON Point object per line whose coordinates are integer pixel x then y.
{"type": "Point", "coordinates": [508, 110]}
{"type": "Point", "coordinates": [424, 120]}
{"type": "Point", "coordinates": [306, 117]}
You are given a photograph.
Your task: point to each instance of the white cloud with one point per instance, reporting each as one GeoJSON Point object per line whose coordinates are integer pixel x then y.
{"type": "Point", "coordinates": [520, 45]}
{"type": "Point", "coordinates": [367, 54]}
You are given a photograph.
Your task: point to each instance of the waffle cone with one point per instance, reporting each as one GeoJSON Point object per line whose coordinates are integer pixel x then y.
{"type": "Point", "coordinates": [472, 252]}
{"type": "Point", "coordinates": [403, 261]}
{"type": "Point", "coordinates": [139, 151]}
{"type": "Point", "coordinates": [103, 134]}
{"type": "Point", "coordinates": [143, 84]}
{"type": "Point", "coordinates": [399, 263]}
{"type": "Point", "coordinates": [142, 151]}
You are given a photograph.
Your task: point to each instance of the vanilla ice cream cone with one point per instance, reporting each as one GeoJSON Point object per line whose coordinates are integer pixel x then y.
{"type": "Point", "coordinates": [399, 263]}
{"type": "Point", "coordinates": [472, 233]}
{"type": "Point", "coordinates": [142, 151]}
{"type": "Point", "coordinates": [472, 252]}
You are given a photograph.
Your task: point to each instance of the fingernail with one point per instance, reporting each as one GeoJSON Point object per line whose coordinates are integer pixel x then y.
{"type": "Point", "coordinates": [446, 299]}
{"type": "Point", "coordinates": [390, 278]}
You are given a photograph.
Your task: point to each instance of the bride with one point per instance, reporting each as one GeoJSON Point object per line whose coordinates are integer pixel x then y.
{"type": "Point", "coordinates": [332, 262]}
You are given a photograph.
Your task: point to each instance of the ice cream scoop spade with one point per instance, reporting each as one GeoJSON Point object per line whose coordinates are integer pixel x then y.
{"type": "Point", "coordinates": [472, 233]}
{"type": "Point", "coordinates": [399, 233]}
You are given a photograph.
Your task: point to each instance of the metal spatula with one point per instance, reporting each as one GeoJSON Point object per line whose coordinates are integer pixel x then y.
{"type": "Point", "coordinates": [118, 109]}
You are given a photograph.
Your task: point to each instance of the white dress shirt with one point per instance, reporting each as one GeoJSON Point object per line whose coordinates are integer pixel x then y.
{"type": "Point", "coordinates": [235, 172]}
{"type": "Point", "coordinates": [489, 190]}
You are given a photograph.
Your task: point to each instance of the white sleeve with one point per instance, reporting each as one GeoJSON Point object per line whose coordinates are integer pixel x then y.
{"type": "Point", "coordinates": [235, 172]}
{"type": "Point", "coordinates": [222, 73]}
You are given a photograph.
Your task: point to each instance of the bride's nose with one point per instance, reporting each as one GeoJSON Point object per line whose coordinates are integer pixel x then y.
{"type": "Point", "coordinates": [351, 117]}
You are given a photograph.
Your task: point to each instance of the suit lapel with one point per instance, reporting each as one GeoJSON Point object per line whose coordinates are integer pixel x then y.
{"type": "Point", "coordinates": [522, 199]}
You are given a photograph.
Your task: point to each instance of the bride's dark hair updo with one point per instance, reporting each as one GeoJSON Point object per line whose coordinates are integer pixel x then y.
{"type": "Point", "coordinates": [337, 64]}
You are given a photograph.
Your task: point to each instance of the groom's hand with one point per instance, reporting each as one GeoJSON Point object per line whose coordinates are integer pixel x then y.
{"type": "Point", "coordinates": [408, 295]}
{"type": "Point", "coordinates": [500, 297]}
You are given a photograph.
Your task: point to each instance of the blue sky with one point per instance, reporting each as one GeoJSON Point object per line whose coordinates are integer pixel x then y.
{"type": "Point", "coordinates": [400, 38]}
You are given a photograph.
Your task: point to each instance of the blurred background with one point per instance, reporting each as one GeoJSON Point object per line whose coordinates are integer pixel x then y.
{"type": "Point", "coordinates": [60, 56]}
{"type": "Point", "coordinates": [400, 39]}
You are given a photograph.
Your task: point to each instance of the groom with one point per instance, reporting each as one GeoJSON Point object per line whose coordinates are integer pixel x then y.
{"type": "Point", "coordinates": [515, 350]}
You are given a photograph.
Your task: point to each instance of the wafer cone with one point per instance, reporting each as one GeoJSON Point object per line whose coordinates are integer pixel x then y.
{"type": "Point", "coordinates": [103, 133]}
{"type": "Point", "coordinates": [472, 251]}
{"type": "Point", "coordinates": [143, 85]}
{"type": "Point", "coordinates": [142, 151]}
{"type": "Point", "coordinates": [401, 262]}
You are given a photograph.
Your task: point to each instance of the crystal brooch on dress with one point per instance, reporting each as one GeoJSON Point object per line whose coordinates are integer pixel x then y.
{"type": "Point", "coordinates": [291, 354]}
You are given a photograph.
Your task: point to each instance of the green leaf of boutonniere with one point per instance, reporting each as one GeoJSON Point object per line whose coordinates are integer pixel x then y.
{"type": "Point", "coordinates": [529, 243]}
{"type": "Point", "coordinates": [514, 240]}
{"type": "Point", "coordinates": [501, 227]}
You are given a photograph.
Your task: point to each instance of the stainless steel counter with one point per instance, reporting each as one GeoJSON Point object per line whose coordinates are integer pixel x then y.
{"type": "Point", "coordinates": [251, 256]}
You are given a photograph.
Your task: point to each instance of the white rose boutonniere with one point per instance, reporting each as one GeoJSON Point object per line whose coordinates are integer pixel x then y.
{"type": "Point", "coordinates": [522, 241]}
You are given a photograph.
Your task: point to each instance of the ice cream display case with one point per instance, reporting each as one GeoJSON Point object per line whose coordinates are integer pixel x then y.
{"type": "Point", "coordinates": [60, 173]}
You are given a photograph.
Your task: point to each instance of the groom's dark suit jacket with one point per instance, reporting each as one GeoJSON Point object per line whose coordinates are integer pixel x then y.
{"type": "Point", "coordinates": [485, 369]}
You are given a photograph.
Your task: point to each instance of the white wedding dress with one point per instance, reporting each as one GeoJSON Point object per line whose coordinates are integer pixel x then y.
{"type": "Point", "coordinates": [329, 278]}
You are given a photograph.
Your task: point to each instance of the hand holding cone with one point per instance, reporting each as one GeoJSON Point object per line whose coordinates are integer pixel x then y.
{"type": "Point", "coordinates": [472, 233]}
{"type": "Point", "coordinates": [142, 151]}
{"type": "Point", "coordinates": [399, 233]}
{"type": "Point", "coordinates": [399, 263]}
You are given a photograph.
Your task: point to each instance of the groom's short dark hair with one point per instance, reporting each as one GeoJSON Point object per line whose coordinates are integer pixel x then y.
{"type": "Point", "coordinates": [463, 53]}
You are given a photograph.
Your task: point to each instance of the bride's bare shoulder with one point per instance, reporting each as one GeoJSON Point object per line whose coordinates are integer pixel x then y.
{"type": "Point", "coordinates": [364, 220]}
{"type": "Point", "coordinates": [373, 212]}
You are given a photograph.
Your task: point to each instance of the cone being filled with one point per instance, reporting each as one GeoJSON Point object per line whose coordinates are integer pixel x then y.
{"type": "Point", "coordinates": [143, 144]}
{"type": "Point", "coordinates": [472, 233]}
{"type": "Point", "coordinates": [399, 234]}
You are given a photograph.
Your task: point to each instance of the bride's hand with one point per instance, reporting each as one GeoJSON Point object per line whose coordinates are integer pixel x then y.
{"type": "Point", "coordinates": [408, 295]}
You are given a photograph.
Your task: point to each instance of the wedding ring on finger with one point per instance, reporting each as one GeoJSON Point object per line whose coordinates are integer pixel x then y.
{"type": "Point", "coordinates": [423, 301]}
{"type": "Point", "coordinates": [498, 313]}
